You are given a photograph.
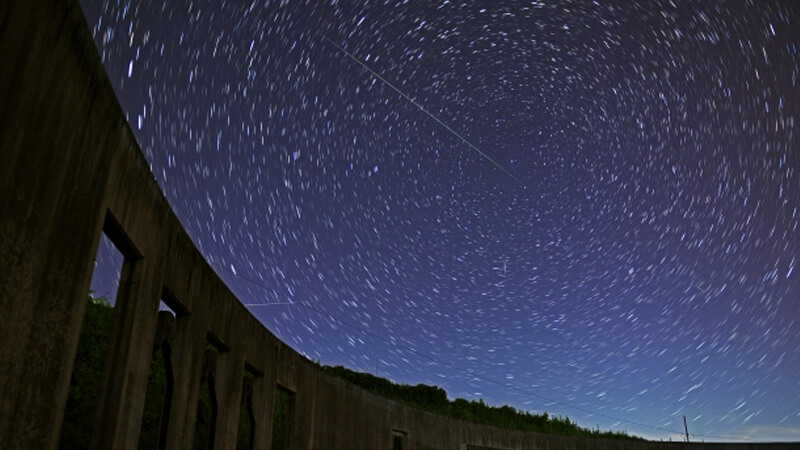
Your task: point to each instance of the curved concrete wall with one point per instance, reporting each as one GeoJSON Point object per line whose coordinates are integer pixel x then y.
{"type": "Point", "coordinates": [70, 168]}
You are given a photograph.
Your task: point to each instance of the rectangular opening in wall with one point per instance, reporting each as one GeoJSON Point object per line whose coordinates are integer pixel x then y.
{"type": "Point", "coordinates": [107, 270]}
{"type": "Point", "coordinates": [281, 418]}
{"type": "Point", "coordinates": [247, 421]}
{"type": "Point", "coordinates": [113, 261]}
{"type": "Point", "coordinates": [169, 302]}
{"type": "Point", "coordinates": [160, 381]}
{"type": "Point", "coordinates": [87, 371]}
{"type": "Point", "coordinates": [398, 440]}
{"type": "Point", "coordinates": [207, 405]}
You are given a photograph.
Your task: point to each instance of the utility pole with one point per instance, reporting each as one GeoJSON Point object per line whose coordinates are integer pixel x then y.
{"type": "Point", "coordinates": [686, 428]}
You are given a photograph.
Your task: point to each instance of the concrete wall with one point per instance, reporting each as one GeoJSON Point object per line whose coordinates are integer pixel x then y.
{"type": "Point", "coordinates": [70, 168]}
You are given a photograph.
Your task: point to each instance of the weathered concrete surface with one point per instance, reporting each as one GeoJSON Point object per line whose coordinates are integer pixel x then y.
{"type": "Point", "coordinates": [52, 185]}
{"type": "Point", "coordinates": [69, 169]}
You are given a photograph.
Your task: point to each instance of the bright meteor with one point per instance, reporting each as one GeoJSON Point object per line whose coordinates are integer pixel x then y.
{"type": "Point", "coordinates": [454, 132]}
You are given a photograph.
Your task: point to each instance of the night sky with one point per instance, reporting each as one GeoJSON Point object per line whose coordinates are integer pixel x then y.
{"type": "Point", "coordinates": [636, 262]}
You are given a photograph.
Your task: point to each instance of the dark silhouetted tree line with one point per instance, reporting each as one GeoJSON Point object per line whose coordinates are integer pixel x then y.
{"type": "Point", "coordinates": [434, 399]}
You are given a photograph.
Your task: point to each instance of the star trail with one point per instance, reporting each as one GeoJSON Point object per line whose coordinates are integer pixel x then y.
{"type": "Point", "coordinates": [646, 270]}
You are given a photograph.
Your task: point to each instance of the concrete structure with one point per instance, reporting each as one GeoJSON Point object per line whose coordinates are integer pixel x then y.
{"type": "Point", "coordinates": [70, 169]}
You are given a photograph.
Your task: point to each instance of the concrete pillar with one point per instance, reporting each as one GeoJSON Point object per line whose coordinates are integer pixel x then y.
{"type": "Point", "coordinates": [127, 365]}
{"type": "Point", "coordinates": [301, 414]}
{"type": "Point", "coordinates": [187, 354]}
{"type": "Point", "coordinates": [230, 371]}
{"type": "Point", "coordinates": [50, 212]}
{"type": "Point", "coordinates": [263, 400]}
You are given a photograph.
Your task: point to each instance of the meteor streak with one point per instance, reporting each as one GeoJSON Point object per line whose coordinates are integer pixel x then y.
{"type": "Point", "coordinates": [456, 134]}
{"type": "Point", "coordinates": [250, 305]}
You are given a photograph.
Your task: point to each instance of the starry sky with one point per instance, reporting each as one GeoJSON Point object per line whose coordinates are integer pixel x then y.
{"type": "Point", "coordinates": [629, 259]}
